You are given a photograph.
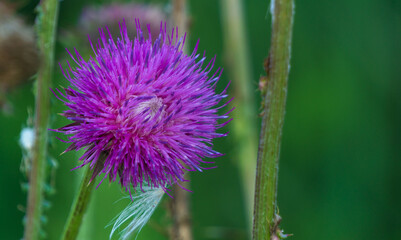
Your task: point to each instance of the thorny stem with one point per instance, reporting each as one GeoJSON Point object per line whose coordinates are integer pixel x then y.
{"type": "Point", "coordinates": [180, 212]}
{"type": "Point", "coordinates": [237, 58]}
{"type": "Point", "coordinates": [46, 29]}
{"type": "Point", "coordinates": [79, 206]}
{"type": "Point", "coordinates": [277, 68]}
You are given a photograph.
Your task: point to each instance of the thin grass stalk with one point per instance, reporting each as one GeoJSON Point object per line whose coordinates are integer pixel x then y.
{"type": "Point", "coordinates": [46, 29]}
{"type": "Point", "coordinates": [244, 127]}
{"type": "Point", "coordinates": [277, 68]}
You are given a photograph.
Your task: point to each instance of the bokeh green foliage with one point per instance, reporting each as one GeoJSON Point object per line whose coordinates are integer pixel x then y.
{"type": "Point", "coordinates": [340, 163]}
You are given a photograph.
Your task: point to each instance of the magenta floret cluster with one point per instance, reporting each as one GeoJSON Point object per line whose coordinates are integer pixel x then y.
{"type": "Point", "coordinates": [143, 110]}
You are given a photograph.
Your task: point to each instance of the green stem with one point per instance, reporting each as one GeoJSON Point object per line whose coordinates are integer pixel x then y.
{"type": "Point", "coordinates": [244, 124]}
{"type": "Point", "coordinates": [79, 206]}
{"type": "Point", "coordinates": [87, 227]}
{"type": "Point", "coordinates": [46, 29]}
{"type": "Point", "coordinates": [277, 67]}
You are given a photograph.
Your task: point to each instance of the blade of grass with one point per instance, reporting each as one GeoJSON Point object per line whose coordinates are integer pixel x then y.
{"type": "Point", "coordinates": [244, 125]}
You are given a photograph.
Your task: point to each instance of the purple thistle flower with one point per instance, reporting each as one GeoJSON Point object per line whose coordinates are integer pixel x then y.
{"type": "Point", "coordinates": [143, 110]}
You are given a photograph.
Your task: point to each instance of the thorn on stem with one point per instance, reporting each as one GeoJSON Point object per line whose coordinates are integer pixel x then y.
{"type": "Point", "coordinates": [275, 232]}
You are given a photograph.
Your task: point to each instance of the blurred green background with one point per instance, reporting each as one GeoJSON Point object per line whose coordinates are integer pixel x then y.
{"type": "Point", "coordinates": [340, 166]}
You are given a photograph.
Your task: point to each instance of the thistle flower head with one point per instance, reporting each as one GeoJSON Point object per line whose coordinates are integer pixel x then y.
{"type": "Point", "coordinates": [143, 110]}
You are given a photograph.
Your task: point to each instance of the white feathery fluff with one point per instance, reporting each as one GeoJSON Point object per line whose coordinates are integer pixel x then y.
{"type": "Point", "coordinates": [138, 212]}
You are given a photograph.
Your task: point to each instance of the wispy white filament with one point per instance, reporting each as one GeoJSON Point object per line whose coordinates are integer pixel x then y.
{"type": "Point", "coordinates": [138, 212]}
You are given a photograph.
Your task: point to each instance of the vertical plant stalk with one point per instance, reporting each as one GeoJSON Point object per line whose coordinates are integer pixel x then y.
{"type": "Point", "coordinates": [46, 29]}
{"type": "Point", "coordinates": [238, 60]}
{"type": "Point", "coordinates": [87, 227]}
{"type": "Point", "coordinates": [180, 17]}
{"type": "Point", "coordinates": [179, 207]}
{"type": "Point", "coordinates": [277, 68]}
{"type": "Point", "coordinates": [79, 206]}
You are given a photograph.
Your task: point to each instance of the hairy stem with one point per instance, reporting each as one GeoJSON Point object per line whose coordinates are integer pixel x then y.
{"type": "Point", "coordinates": [277, 68]}
{"type": "Point", "coordinates": [46, 29]}
{"type": "Point", "coordinates": [179, 208]}
{"type": "Point", "coordinates": [79, 206]}
{"type": "Point", "coordinates": [237, 59]}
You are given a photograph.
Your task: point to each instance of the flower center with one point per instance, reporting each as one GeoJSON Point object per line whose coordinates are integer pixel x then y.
{"type": "Point", "coordinates": [153, 107]}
